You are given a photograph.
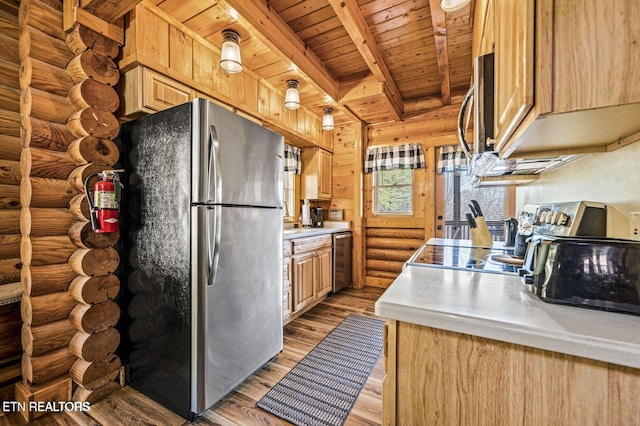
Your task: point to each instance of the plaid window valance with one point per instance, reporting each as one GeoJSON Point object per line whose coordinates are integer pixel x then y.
{"type": "Point", "coordinates": [407, 156]}
{"type": "Point", "coordinates": [452, 159]}
{"type": "Point", "coordinates": [292, 159]}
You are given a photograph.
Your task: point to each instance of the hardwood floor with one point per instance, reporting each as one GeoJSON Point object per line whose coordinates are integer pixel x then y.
{"type": "Point", "coordinates": [129, 407]}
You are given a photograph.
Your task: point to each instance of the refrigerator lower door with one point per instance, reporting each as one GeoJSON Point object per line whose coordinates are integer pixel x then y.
{"type": "Point", "coordinates": [238, 319]}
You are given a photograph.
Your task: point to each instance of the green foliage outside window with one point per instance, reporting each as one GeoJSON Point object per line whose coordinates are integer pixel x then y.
{"type": "Point", "coordinates": [393, 191]}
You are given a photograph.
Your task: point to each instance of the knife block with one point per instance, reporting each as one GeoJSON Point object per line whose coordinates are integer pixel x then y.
{"type": "Point", "coordinates": [480, 236]}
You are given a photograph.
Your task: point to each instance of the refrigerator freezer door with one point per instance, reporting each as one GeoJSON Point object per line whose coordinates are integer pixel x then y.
{"type": "Point", "coordinates": [235, 161]}
{"type": "Point", "coordinates": [238, 319]}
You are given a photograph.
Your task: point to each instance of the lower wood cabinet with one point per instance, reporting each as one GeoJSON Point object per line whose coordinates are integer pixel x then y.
{"type": "Point", "coordinates": [311, 272]}
{"type": "Point", "coordinates": [287, 301]}
{"type": "Point", "coordinates": [436, 376]}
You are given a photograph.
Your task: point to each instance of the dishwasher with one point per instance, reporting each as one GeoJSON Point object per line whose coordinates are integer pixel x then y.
{"type": "Point", "coordinates": [341, 261]}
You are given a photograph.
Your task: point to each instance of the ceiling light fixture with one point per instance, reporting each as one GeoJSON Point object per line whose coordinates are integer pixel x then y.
{"type": "Point", "coordinates": [292, 97]}
{"type": "Point", "coordinates": [449, 6]}
{"type": "Point", "coordinates": [327, 119]}
{"type": "Point", "coordinates": [230, 59]}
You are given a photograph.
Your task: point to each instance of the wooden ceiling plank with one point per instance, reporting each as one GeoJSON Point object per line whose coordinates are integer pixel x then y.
{"type": "Point", "coordinates": [356, 26]}
{"type": "Point", "coordinates": [278, 36]}
{"type": "Point", "coordinates": [439, 24]}
{"type": "Point", "coordinates": [183, 10]}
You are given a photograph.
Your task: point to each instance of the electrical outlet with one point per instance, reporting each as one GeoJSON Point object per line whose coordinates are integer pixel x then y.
{"type": "Point", "coordinates": [635, 226]}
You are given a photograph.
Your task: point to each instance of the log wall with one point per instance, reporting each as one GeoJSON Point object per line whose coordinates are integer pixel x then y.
{"type": "Point", "coordinates": [94, 124]}
{"type": "Point", "coordinates": [65, 124]}
{"type": "Point", "coordinates": [10, 177]}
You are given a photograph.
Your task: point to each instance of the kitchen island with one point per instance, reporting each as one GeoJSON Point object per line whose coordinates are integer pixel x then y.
{"type": "Point", "coordinates": [475, 348]}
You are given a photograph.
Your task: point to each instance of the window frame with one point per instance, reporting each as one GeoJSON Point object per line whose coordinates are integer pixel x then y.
{"type": "Point", "coordinates": [375, 186]}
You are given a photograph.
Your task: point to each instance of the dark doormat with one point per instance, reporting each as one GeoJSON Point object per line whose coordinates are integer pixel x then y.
{"type": "Point", "coordinates": [323, 386]}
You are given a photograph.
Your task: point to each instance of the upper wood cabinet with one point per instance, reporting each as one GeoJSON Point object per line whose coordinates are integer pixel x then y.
{"type": "Point", "coordinates": [146, 91]}
{"type": "Point", "coordinates": [514, 65]}
{"type": "Point", "coordinates": [484, 31]}
{"type": "Point", "coordinates": [316, 174]}
{"type": "Point", "coordinates": [562, 87]}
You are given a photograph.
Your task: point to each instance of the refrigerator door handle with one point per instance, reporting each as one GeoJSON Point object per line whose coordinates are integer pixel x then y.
{"type": "Point", "coordinates": [213, 165]}
{"type": "Point", "coordinates": [213, 255]}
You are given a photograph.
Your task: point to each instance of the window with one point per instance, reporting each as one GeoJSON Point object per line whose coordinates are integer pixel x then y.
{"type": "Point", "coordinates": [393, 192]}
{"type": "Point", "coordinates": [289, 196]}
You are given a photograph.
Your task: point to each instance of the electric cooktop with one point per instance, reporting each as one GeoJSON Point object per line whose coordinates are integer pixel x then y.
{"type": "Point", "coordinates": [482, 259]}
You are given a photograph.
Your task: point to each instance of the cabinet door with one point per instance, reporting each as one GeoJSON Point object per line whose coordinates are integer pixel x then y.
{"type": "Point", "coordinates": [316, 174]}
{"type": "Point", "coordinates": [324, 180]}
{"type": "Point", "coordinates": [514, 65]}
{"type": "Point", "coordinates": [323, 264]}
{"type": "Point", "coordinates": [303, 280]}
{"type": "Point", "coordinates": [287, 301]}
{"type": "Point", "coordinates": [161, 92]}
{"type": "Point", "coordinates": [483, 29]}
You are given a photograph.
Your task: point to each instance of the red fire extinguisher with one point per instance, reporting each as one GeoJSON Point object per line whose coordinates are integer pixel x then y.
{"type": "Point", "coordinates": [105, 204]}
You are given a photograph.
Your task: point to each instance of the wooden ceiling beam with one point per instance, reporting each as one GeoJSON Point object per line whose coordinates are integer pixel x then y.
{"type": "Point", "coordinates": [353, 21]}
{"type": "Point", "coordinates": [439, 24]}
{"type": "Point", "coordinates": [274, 32]}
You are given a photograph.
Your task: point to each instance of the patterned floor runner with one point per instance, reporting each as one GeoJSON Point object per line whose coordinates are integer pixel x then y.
{"type": "Point", "coordinates": [322, 388]}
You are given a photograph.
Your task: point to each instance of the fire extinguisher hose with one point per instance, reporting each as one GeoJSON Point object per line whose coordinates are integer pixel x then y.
{"type": "Point", "coordinates": [92, 208]}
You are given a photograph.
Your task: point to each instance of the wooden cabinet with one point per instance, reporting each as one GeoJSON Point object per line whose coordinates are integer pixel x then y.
{"type": "Point", "coordinates": [484, 28]}
{"type": "Point", "coordinates": [146, 91]}
{"type": "Point", "coordinates": [513, 64]}
{"type": "Point", "coordinates": [324, 270]}
{"type": "Point", "coordinates": [558, 88]}
{"type": "Point", "coordinates": [316, 174]}
{"type": "Point", "coordinates": [304, 280]}
{"type": "Point", "coordinates": [287, 301]}
{"type": "Point", "coordinates": [440, 377]}
{"type": "Point", "coordinates": [311, 270]}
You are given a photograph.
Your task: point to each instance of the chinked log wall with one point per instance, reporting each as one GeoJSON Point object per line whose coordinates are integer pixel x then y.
{"type": "Point", "coordinates": [10, 147]}
{"type": "Point", "coordinates": [391, 240]}
{"type": "Point", "coordinates": [67, 102]}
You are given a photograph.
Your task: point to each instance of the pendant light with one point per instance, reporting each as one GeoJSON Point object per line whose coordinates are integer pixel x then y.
{"type": "Point", "coordinates": [292, 97]}
{"type": "Point", "coordinates": [230, 59]}
{"type": "Point", "coordinates": [449, 6]}
{"type": "Point", "coordinates": [327, 119]}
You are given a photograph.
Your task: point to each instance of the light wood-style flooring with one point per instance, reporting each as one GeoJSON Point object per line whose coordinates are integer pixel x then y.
{"type": "Point", "coordinates": [129, 407]}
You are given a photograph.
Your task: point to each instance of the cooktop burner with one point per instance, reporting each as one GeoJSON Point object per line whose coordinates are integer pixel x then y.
{"type": "Point", "coordinates": [481, 259]}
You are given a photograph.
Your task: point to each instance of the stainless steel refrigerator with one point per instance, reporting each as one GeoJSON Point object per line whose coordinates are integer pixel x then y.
{"type": "Point", "coordinates": [202, 253]}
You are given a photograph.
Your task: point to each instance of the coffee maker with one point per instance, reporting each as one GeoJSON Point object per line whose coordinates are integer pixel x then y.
{"type": "Point", "coordinates": [317, 217]}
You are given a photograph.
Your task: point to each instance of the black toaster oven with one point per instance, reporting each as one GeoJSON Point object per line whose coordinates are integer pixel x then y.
{"type": "Point", "coordinates": [599, 273]}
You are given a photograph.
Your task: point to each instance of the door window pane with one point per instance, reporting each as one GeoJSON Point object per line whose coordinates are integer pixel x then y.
{"type": "Point", "coordinates": [458, 193]}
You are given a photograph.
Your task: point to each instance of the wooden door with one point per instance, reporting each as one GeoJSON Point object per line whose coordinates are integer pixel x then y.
{"type": "Point", "coordinates": [514, 65]}
{"type": "Point", "coordinates": [303, 280]}
{"type": "Point", "coordinates": [323, 264]}
{"type": "Point", "coordinates": [324, 180]}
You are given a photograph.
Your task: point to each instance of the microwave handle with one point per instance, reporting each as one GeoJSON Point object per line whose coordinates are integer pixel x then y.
{"type": "Point", "coordinates": [467, 102]}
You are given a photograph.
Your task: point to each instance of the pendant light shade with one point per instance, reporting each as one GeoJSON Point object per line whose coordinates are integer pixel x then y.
{"type": "Point", "coordinates": [230, 59]}
{"type": "Point", "coordinates": [327, 119]}
{"type": "Point", "coordinates": [292, 97]}
{"type": "Point", "coordinates": [449, 6]}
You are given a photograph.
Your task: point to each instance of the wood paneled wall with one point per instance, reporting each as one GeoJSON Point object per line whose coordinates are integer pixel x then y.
{"type": "Point", "coordinates": [10, 176]}
{"type": "Point", "coordinates": [346, 177]}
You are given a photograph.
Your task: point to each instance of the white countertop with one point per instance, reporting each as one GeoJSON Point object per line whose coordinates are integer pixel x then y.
{"type": "Point", "coordinates": [328, 228]}
{"type": "Point", "coordinates": [499, 307]}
